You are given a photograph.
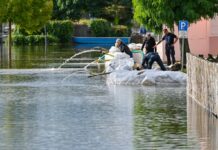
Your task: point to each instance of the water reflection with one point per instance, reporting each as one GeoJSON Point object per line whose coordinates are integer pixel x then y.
{"type": "Point", "coordinates": [79, 113]}
{"type": "Point", "coordinates": [5, 58]}
{"type": "Point", "coordinates": [38, 57]}
{"type": "Point", "coordinates": [64, 109]}
{"type": "Point", "coordinates": [160, 119]}
{"type": "Point", "coordinates": [202, 126]}
{"type": "Point", "coordinates": [15, 123]}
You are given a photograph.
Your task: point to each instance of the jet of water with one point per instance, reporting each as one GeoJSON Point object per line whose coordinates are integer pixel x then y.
{"type": "Point", "coordinates": [78, 54]}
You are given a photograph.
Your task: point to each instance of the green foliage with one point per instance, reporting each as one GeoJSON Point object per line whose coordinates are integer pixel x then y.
{"type": "Point", "coordinates": [30, 15]}
{"type": "Point", "coordinates": [100, 27]}
{"type": "Point", "coordinates": [120, 31]}
{"type": "Point", "coordinates": [84, 22]}
{"type": "Point", "coordinates": [118, 12]}
{"type": "Point", "coordinates": [19, 39]}
{"type": "Point", "coordinates": [3, 9]}
{"type": "Point", "coordinates": [63, 30]}
{"type": "Point", "coordinates": [68, 9]}
{"type": "Point", "coordinates": [33, 39]}
{"type": "Point", "coordinates": [154, 13]}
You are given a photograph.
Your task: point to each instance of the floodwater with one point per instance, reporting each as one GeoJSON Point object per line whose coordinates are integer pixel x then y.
{"type": "Point", "coordinates": [62, 109]}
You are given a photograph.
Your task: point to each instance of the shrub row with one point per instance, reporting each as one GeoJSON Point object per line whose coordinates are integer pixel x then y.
{"type": "Point", "coordinates": [102, 28]}
{"type": "Point", "coordinates": [120, 31]}
{"type": "Point", "coordinates": [58, 31]}
{"type": "Point", "coordinates": [20, 39]}
{"type": "Point", "coordinates": [63, 30]}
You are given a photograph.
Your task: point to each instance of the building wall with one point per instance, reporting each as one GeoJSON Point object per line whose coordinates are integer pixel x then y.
{"type": "Point", "coordinates": [198, 35]}
{"type": "Point", "coordinates": [203, 39]}
{"type": "Point", "coordinates": [213, 46]}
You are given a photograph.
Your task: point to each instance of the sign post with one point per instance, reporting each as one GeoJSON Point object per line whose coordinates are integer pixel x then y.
{"type": "Point", "coordinates": [183, 34]}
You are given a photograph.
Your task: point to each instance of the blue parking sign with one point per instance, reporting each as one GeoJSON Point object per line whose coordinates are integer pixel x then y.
{"type": "Point", "coordinates": [183, 25]}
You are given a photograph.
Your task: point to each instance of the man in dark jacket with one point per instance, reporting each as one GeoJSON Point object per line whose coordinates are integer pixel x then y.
{"type": "Point", "coordinates": [123, 47]}
{"type": "Point", "coordinates": [150, 58]}
{"type": "Point", "coordinates": [170, 40]}
{"type": "Point", "coordinates": [149, 44]}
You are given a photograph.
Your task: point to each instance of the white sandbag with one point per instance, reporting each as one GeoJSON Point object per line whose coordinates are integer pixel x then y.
{"type": "Point", "coordinates": [133, 46]}
{"type": "Point", "coordinates": [121, 66]}
{"type": "Point", "coordinates": [119, 61]}
{"type": "Point", "coordinates": [114, 49]}
{"type": "Point", "coordinates": [148, 77]}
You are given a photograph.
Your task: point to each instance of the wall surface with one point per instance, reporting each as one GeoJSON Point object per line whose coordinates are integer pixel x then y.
{"type": "Point", "coordinates": [203, 39]}
{"type": "Point", "coordinates": [202, 128]}
{"type": "Point", "coordinates": [202, 83]}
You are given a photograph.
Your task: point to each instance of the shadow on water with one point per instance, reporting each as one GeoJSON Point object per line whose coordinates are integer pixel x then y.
{"type": "Point", "coordinates": [202, 126]}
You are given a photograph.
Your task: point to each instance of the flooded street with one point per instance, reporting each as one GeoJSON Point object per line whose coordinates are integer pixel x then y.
{"type": "Point", "coordinates": [43, 108]}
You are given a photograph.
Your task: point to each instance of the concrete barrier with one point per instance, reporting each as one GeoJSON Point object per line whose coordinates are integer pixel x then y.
{"type": "Point", "coordinates": [202, 82]}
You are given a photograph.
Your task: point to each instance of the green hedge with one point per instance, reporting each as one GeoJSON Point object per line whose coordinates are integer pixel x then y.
{"type": "Point", "coordinates": [100, 27]}
{"type": "Point", "coordinates": [58, 31]}
{"type": "Point", "coordinates": [120, 31]}
{"type": "Point", "coordinates": [33, 39]}
{"type": "Point", "coordinates": [63, 30]}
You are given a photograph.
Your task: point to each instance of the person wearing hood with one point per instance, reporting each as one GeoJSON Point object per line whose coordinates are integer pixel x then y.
{"type": "Point", "coordinates": [123, 47]}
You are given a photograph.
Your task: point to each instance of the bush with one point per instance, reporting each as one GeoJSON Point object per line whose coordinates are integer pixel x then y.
{"type": "Point", "coordinates": [33, 39]}
{"type": "Point", "coordinates": [63, 30]}
{"type": "Point", "coordinates": [100, 27]}
{"type": "Point", "coordinates": [120, 31]}
{"type": "Point", "coordinates": [84, 22]}
{"type": "Point", "coordinates": [19, 39]}
{"type": "Point", "coordinates": [58, 31]}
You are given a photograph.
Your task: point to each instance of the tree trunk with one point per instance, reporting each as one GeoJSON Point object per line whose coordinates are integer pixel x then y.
{"type": "Point", "coordinates": [9, 41]}
{"type": "Point", "coordinates": [1, 42]}
{"type": "Point", "coordinates": [186, 50]}
{"type": "Point", "coordinates": [1, 35]}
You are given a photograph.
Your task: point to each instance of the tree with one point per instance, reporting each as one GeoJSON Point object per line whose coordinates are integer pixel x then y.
{"type": "Point", "coordinates": [154, 13]}
{"type": "Point", "coordinates": [119, 12]}
{"type": "Point", "coordinates": [112, 10]}
{"type": "Point", "coordinates": [68, 9]}
{"type": "Point", "coordinates": [3, 9]}
{"type": "Point", "coordinates": [29, 14]}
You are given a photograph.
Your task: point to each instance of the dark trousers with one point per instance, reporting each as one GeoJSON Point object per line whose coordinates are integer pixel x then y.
{"type": "Point", "coordinates": [170, 53]}
{"type": "Point", "coordinates": [150, 58]}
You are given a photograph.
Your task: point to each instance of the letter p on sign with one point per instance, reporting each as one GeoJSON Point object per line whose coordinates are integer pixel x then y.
{"type": "Point", "coordinates": [183, 25]}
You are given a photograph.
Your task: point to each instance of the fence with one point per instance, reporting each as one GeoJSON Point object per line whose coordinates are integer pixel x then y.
{"type": "Point", "coordinates": [202, 83]}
